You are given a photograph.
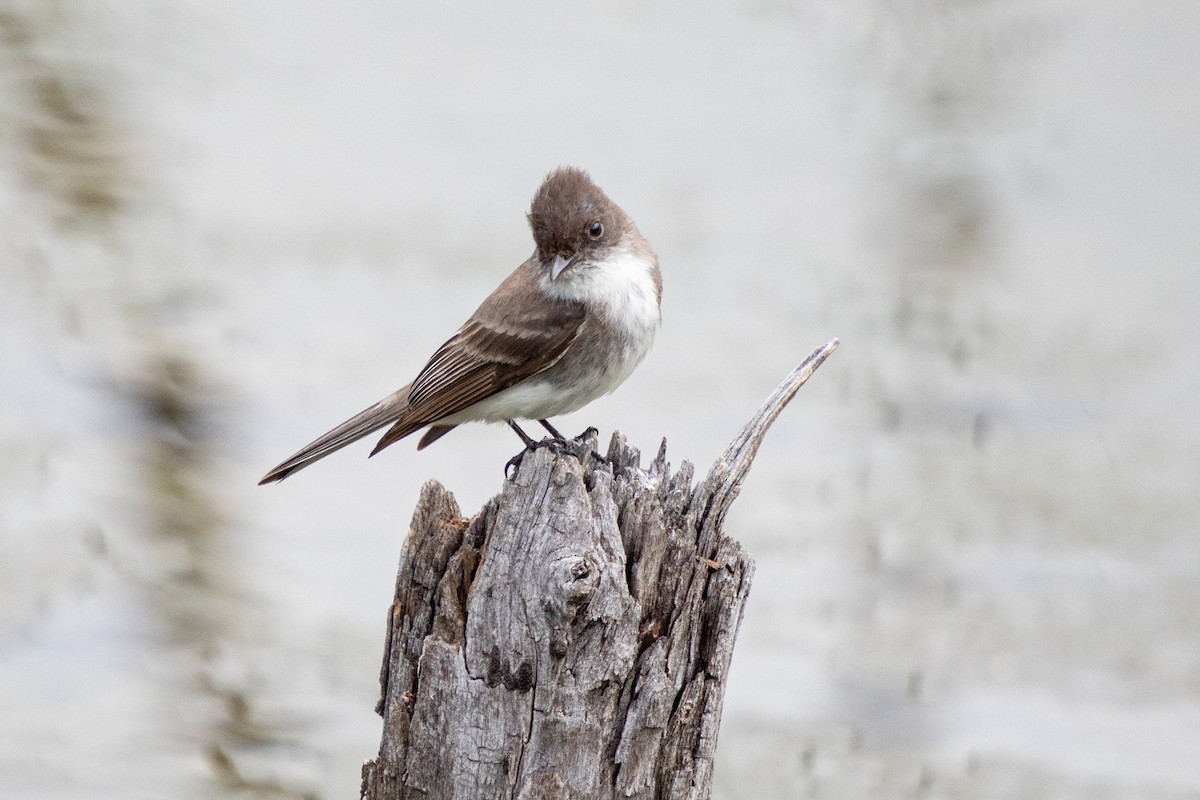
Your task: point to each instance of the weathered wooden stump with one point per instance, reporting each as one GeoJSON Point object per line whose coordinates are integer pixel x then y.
{"type": "Point", "coordinates": [572, 639]}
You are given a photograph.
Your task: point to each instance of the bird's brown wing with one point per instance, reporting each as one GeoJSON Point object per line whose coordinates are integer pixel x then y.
{"type": "Point", "coordinates": [516, 333]}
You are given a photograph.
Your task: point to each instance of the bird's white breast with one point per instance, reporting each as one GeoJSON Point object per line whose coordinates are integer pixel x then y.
{"type": "Point", "coordinates": [623, 285]}
{"type": "Point", "coordinates": [622, 290]}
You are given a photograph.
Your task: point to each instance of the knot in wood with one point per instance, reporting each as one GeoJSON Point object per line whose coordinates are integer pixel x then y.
{"type": "Point", "coordinates": [575, 581]}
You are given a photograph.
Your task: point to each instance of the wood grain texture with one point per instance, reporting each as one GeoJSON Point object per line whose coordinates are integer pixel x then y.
{"type": "Point", "coordinates": [573, 638]}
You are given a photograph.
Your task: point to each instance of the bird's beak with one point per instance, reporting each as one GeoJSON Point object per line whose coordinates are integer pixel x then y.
{"type": "Point", "coordinates": [559, 265]}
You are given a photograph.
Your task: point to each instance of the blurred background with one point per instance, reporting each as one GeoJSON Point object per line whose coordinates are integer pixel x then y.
{"type": "Point", "coordinates": [226, 226]}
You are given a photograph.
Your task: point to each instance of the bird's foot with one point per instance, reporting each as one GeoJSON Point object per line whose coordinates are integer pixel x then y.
{"type": "Point", "coordinates": [587, 434]}
{"type": "Point", "coordinates": [514, 463]}
{"type": "Point", "coordinates": [557, 441]}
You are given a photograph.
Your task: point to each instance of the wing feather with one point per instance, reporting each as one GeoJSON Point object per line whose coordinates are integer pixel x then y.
{"type": "Point", "coordinates": [517, 332]}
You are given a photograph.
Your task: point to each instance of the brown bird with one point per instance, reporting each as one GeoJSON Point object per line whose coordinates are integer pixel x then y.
{"type": "Point", "coordinates": [569, 325]}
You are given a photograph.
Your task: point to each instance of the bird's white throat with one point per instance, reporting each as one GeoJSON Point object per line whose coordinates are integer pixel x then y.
{"type": "Point", "coordinates": [621, 287]}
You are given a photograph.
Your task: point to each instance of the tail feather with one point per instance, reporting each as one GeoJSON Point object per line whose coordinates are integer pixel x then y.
{"type": "Point", "coordinates": [366, 422]}
{"type": "Point", "coordinates": [434, 433]}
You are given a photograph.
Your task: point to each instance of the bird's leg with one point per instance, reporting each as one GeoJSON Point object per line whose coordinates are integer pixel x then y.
{"type": "Point", "coordinates": [545, 423]}
{"type": "Point", "coordinates": [530, 444]}
{"type": "Point", "coordinates": [588, 431]}
{"type": "Point", "coordinates": [525, 437]}
{"type": "Point", "coordinates": [558, 442]}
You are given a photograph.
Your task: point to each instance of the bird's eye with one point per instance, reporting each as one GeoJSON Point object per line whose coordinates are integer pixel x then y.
{"type": "Point", "coordinates": [595, 230]}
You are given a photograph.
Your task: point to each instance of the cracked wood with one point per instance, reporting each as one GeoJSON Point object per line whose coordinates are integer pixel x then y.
{"type": "Point", "coordinates": [573, 638]}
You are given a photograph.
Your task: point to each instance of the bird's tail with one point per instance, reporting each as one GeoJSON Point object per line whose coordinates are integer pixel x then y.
{"type": "Point", "coordinates": [385, 412]}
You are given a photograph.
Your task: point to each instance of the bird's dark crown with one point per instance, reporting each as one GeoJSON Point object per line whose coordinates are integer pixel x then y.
{"type": "Point", "coordinates": [565, 213]}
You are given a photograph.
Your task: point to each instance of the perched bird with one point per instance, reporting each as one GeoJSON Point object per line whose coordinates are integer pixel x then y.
{"type": "Point", "coordinates": [569, 325]}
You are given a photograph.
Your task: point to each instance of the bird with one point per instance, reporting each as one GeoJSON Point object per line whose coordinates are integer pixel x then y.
{"type": "Point", "coordinates": [569, 325]}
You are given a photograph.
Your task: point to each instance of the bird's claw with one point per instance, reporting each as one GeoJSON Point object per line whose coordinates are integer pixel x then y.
{"type": "Point", "coordinates": [557, 444]}
{"type": "Point", "coordinates": [514, 463]}
{"type": "Point", "coordinates": [587, 434]}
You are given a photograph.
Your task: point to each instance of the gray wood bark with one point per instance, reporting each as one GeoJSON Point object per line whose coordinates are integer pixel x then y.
{"type": "Point", "coordinates": [573, 638]}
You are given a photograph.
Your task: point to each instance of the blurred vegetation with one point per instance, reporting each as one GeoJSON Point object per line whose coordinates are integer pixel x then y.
{"type": "Point", "coordinates": [63, 133]}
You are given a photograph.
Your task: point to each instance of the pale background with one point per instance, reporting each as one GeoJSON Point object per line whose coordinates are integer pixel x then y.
{"type": "Point", "coordinates": [226, 226]}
